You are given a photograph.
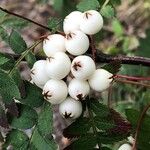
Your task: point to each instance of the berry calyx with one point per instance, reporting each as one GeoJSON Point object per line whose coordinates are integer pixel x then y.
{"type": "Point", "coordinates": [83, 67]}
{"type": "Point", "coordinates": [58, 66]}
{"type": "Point", "coordinates": [54, 43]}
{"type": "Point", "coordinates": [70, 108]}
{"type": "Point", "coordinates": [78, 89]}
{"type": "Point", "coordinates": [100, 80]}
{"type": "Point", "coordinates": [55, 91]}
{"type": "Point", "coordinates": [91, 22]}
{"type": "Point", "coordinates": [76, 42]}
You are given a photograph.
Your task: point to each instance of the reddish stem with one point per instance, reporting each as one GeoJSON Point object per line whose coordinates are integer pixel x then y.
{"type": "Point", "coordinates": [133, 78]}
{"type": "Point", "coordinates": [132, 82]}
{"type": "Point", "coordinates": [134, 147]}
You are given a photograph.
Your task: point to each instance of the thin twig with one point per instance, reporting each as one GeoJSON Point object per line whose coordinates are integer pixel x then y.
{"type": "Point", "coordinates": [133, 82]}
{"type": "Point", "coordinates": [134, 147]}
{"type": "Point", "coordinates": [23, 55]}
{"type": "Point", "coordinates": [24, 18]}
{"type": "Point", "coordinates": [133, 78]}
{"type": "Point", "coordinates": [109, 95]}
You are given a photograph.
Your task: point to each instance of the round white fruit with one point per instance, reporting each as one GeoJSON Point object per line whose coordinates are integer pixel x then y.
{"type": "Point", "coordinates": [131, 139]}
{"type": "Point", "coordinates": [100, 80]}
{"type": "Point", "coordinates": [54, 43]}
{"type": "Point", "coordinates": [125, 146]}
{"type": "Point", "coordinates": [38, 75]}
{"type": "Point", "coordinates": [91, 22]}
{"type": "Point", "coordinates": [55, 91]}
{"type": "Point", "coordinates": [58, 66]}
{"type": "Point", "coordinates": [83, 67]}
{"type": "Point", "coordinates": [70, 108]}
{"type": "Point", "coordinates": [72, 22]}
{"type": "Point", "coordinates": [76, 42]}
{"type": "Point", "coordinates": [78, 89]}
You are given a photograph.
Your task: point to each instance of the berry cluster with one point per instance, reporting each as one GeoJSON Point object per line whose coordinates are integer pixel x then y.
{"type": "Point", "coordinates": [80, 74]}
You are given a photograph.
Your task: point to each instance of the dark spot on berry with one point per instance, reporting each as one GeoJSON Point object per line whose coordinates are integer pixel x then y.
{"type": "Point", "coordinates": [67, 115]}
{"type": "Point", "coordinates": [47, 95]}
{"type": "Point", "coordinates": [76, 66]}
{"type": "Point", "coordinates": [80, 97]}
{"type": "Point", "coordinates": [87, 15]}
{"type": "Point", "coordinates": [69, 36]}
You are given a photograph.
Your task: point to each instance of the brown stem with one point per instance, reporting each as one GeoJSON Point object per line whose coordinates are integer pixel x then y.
{"type": "Point", "coordinates": [132, 82]}
{"type": "Point", "coordinates": [93, 48]}
{"type": "Point", "coordinates": [134, 147]}
{"type": "Point", "coordinates": [135, 60]}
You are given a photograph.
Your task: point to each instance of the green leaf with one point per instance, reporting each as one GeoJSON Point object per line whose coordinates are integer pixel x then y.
{"type": "Point", "coordinates": [14, 22]}
{"type": "Point", "coordinates": [87, 142]}
{"type": "Point", "coordinates": [144, 136]}
{"type": "Point", "coordinates": [143, 49]}
{"type": "Point", "coordinates": [27, 118]}
{"type": "Point", "coordinates": [33, 97]}
{"type": "Point", "coordinates": [17, 139]}
{"type": "Point", "coordinates": [80, 127]}
{"type": "Point", "coordinates": [85, 5]}
{"type": "Point", "coordinates": [31, 59]}
{"type": "Point", "coordinates": [3, 59]}
{"type": "Point", "coordinates": [108, 11]}
{"type": "Point", "coordinates": [103, 124]}
{"type": "Point", "coordinates": [45, 121]}
{"type": "Point", "coordinates": [40, 143]}
{"type": "Point", "coordinates": [99, 109]}
{"type": "Point", "coordinates": [113, 67]}
{"type": "Point", "coordinates": [133, 116]}
{"type": "Point", "coordinates": [8, 88]}
{"type": "Point", "coordinates": [3, 34]}
{"type": "Point", "coordinates": [106, 138]}
{"type": "Point", "coordinates": [17, 43]}
{"type": "Point", "coordinates": [53, 23]}
{"type": "Point", "coordinates": [16, 77]}
{"type": "Point", "coordinates": [117, 28]}
{"type": "Point", "coordinates": [58, 4]}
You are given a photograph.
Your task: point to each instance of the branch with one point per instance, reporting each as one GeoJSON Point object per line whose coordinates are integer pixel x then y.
{"type": "Point", "coordinates": [100, 57]}
{"type": "Point", "coordinates": [135, 60]}
{"type": "Point", "coordinates": [133, 82]}
{"type": "Point", "coordinates": [132, 78]}
{"type": "Point", "coordinates": [134, 147]}
{"type": "Point", "coordinates": [24, 18]}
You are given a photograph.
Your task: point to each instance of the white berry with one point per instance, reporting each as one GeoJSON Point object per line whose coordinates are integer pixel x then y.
{"type": "Point", "coordinates": [54, 43]}
{"type": "Point", "coordinates": [58, 66]}
{"type": "Point", "coordinates": [83, 67]}
{"type": "Point", "coordinates": [131, 139]}
{"type": "Point", "coordinates": [70, 108]}
{"type": "Point", "coordinates": [125, 147]}
{"type": "Point", "coordinates": [100, 80]}
{"type": "Point", "coordinates": [72, 22]}
{"type": "Point", "coordinates": [78, 89]}
{"type": "Point", "coordinates": [76, 42]}
{"type": "Point", "coordinates": [38, 75]}
{"type": "Point", "coordinates": [55, 91]}
{"type": "Point", "coordinates": [91, 22]}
